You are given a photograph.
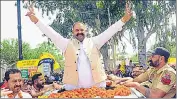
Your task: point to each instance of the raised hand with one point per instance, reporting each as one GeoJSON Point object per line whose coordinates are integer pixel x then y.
{"type": "Point", "coordinates": [31, 14]}
{"type": "Point", "coordinates": [31, 11]}
{"type": "Point", "coordinates": [128, 14]}
{"type": "Point", "coordinates": [5, 92]}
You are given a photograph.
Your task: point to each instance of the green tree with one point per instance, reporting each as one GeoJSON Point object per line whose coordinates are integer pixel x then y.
{"type": "Point", "coordinates": [9, 51]}
{"type": "Point", "coordinates": [150, 16]}
{"type": "Point", "coordinates": [134, 58]}
{"type": "Point", "coordinates": [50, 48]}
{"type": "Point", "coordinates": [169, 45]}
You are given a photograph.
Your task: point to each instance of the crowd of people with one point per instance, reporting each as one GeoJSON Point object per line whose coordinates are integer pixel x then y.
{"type": "Point", "coordinates": [17, 87]}
{"type": "Point", "coordinates": [159, 80]}
{"type": "Point", "coordinates": [131, 70]}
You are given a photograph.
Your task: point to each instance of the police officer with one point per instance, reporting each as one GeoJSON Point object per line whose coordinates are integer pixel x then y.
{"type": "Point", "coordinates": [161, 77]}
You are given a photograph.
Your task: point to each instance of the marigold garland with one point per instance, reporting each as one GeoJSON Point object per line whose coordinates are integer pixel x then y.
{"type": "Point", "coordinates": [12, 96]}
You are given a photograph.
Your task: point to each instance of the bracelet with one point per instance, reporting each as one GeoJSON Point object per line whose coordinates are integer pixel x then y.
{"type": "Point", "coordinates": [147, 93]}
{"type": "Point", "coordinates": [63, 87]}
{"type": "Point", "coordinates": [123, 20]}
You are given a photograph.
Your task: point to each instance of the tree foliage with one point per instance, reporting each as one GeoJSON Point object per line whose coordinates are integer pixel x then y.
{"type": "Point", "coordinates": [9, 51]}
{"type": "Point", "coordinates": [170, 46]}
{"type": "Point", "coordinates": [151, 17]}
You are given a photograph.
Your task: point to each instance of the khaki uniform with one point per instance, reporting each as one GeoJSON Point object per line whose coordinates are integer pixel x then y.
{"type": "Point", "coordinates": [94, 56]}
{"type": "Point", "coordinates": [163, 79]}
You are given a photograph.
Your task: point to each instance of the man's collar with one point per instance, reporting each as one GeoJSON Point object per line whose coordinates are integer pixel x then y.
{"type": "Point", "coordinates": [162, 68]}
{"type": "Point", "coordinates": [74, 39]}
{"type": "Point", "coordinates": [19, 94]}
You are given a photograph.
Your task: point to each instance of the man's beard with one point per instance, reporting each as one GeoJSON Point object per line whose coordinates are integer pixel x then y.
{"type": "Point", "coordinates": [40, 86]}
{"type": "Point", "coordinates": [80, 36]}
{"type": "Point", "coordinates": [154, 64]}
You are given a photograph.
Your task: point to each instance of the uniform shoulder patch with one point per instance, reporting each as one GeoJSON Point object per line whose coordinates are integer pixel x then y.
{"type": "Point", "coordinates": [166, 79]}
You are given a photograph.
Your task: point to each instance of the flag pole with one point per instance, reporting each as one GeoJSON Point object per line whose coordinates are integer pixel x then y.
{"type": "Point", "coordinates": [19, 30]}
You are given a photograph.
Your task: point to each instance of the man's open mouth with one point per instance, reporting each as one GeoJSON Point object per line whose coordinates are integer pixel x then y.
{"type": "Point", "coordinates": [80, 34]}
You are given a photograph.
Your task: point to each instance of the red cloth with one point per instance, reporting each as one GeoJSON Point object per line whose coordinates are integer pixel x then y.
{"type": "Point", "coordinates": [4, 85]}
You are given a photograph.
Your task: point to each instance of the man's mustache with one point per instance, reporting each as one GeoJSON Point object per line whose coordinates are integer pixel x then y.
{"type": "Point", "coordinates": [17, 86]}
{"type": "Point", "coordinates": [80, 34]}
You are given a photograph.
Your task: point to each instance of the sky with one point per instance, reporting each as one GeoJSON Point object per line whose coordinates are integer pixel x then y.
{"type": "Point", "coordinates": [30, 32]}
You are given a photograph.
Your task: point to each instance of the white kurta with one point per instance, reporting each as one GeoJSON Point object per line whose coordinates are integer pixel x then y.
{"type": "Point", "coordinates": [24, 95]}
{"type": "Point", "coordinates": [83, 64]}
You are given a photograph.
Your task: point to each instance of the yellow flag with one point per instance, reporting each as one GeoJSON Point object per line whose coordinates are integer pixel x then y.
{"type": "Point", "coordinates": [48, 55]}
{"type": "Point", "coordinates": [122, 67]}
{"type": "Point", "coordinates": [172, 60]}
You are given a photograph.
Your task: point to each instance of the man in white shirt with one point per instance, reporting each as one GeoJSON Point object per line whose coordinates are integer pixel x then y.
{"type": "Point", "coordinates": [83, 62]}
{"type": "Point", "coordinates": [15, 82]}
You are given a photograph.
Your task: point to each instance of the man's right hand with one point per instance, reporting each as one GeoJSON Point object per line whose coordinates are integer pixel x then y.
{"type": "Point", "coordinates": [5, 92]}
{"type": "Point", "coordinates": [31, 14]}
{"type": "Point", "coordinates": [128, 14]}
{"type": "Point", "coordinates": [124, 80]}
